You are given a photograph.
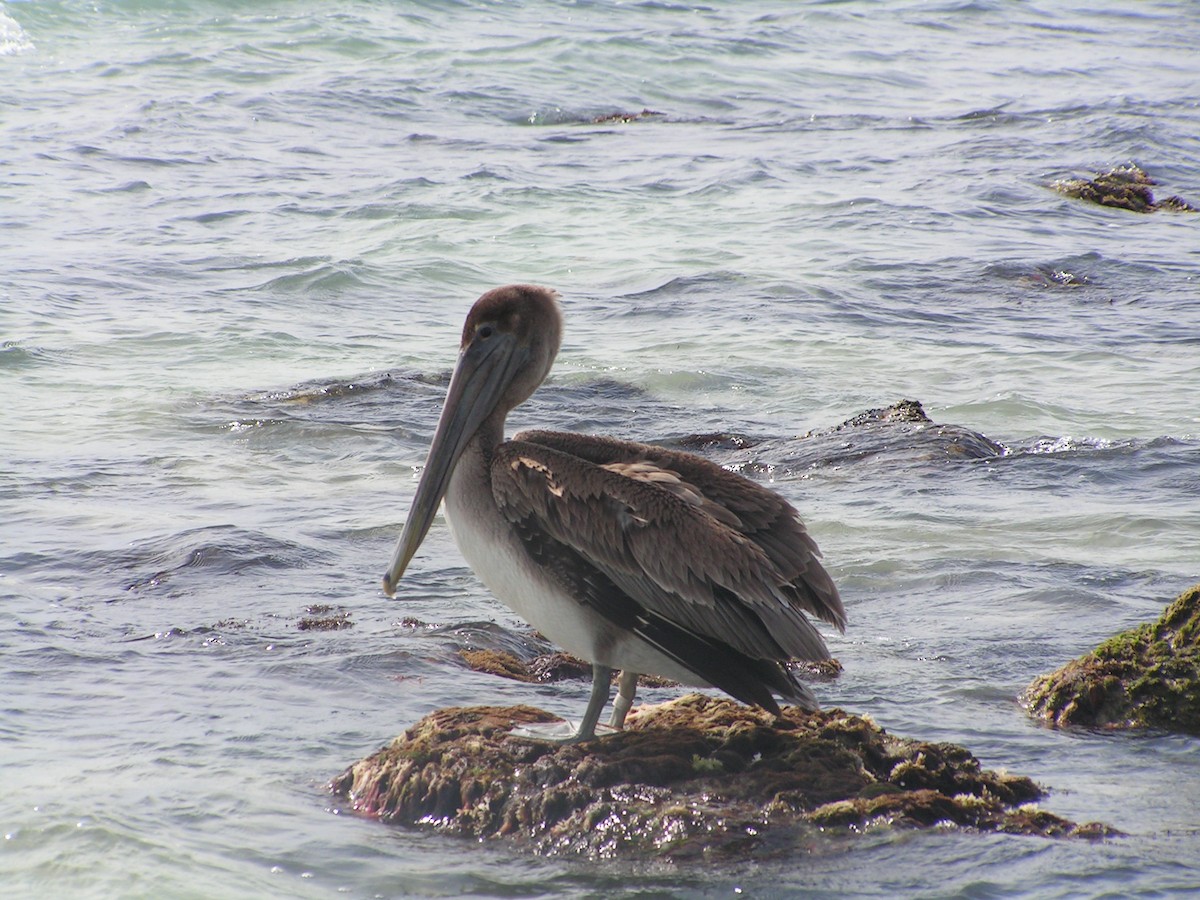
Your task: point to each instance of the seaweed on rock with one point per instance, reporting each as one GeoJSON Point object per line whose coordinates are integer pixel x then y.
{"type": "Point", "coordinates": [1123, 187]}
{"type": "Point", "coordinates": [698, 776]}
{"type": "Point", "coordinates": [1147, 677]}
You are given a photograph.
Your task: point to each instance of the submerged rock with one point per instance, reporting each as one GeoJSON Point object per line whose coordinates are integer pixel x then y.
{"type": "Point", "coordinates": [497, 662]}
{"type": "Point", "coordinates": [556, 666]}
{"type": "Point", "coordinates": [905, 426]}
{"type": "Point", "coordinates": [1124, 187]}
{"type": "Point", "coordinates": [323, 617]}
{"type": "Point", "coordinates": [559, 666]}
{"type": "Point", "coordinates": [626, 117]}
{"type": "Point", "coordinates": [899, 433]}
{"type": "Point", "coordinates": [695, 777]}
{"type": "Point", "coordinates": [1147, 677]}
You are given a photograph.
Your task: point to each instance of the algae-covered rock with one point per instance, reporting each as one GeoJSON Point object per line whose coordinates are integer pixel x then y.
{"type": "Point", "coordinates": [1123, 187]}
{"type": "Point", "coordinates": [1148, 677]}
{"type": "Point", "coordinates": [323, 617]}
{"type": "Point", "coordinates": [497, 662]}
{"type": "Point", "coordinates": [696, 776]}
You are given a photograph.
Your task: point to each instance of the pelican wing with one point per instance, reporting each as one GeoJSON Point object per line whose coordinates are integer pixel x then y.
{"type": "Point", "coordinates": [761, 515]}
{"type": "Point", "coordinates": [684, 554]}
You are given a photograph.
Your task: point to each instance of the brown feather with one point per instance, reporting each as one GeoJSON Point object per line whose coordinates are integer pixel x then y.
{"type": "Point", "coordinates": [665, 540]}
{"type": "Point", "coordinates": [764, 516]}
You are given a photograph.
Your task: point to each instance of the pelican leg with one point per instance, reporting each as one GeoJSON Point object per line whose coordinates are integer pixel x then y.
{"type": "Point", "coordinates": [564, 732]}
{"type": "Point", "coordinates": [601, 686]}
{"type": "Point", "coordinates": [626, 689]}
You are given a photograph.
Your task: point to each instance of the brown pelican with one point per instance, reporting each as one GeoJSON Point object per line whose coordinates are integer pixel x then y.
{"type": "Point", "coordinates": [631, 556]}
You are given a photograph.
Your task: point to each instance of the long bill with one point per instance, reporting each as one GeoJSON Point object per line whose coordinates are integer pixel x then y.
{"type": "Point", "coordinates": [485, 368]}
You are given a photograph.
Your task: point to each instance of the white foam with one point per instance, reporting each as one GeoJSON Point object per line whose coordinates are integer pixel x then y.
{"type": "Point", "coordinates": [13, 39]}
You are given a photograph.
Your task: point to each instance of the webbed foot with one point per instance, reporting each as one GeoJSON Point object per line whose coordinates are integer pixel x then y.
{"type": "Point", "coordinates": [564, 732]}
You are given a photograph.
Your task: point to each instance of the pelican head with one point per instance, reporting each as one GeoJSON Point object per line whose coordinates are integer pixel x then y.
{"type": "Point", "coordinates": [509, 343]}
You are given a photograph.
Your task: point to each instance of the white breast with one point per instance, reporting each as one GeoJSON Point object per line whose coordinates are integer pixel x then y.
{"type": "Point", "coordinates": [495, 553]}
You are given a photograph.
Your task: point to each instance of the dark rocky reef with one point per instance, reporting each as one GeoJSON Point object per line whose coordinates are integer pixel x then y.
{"type": "Point", "coordinates": [698, 777]}
{"type": "Point", "coordinates": [899, 433]}
{"type": "Point", "coordinates": [906, 422]}
{"type": "Point", "coordinates": [1147, 677]}
{"type": "Point", "coordinates": [1123, 187]}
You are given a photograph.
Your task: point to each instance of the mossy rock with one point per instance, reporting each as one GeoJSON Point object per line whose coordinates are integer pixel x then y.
{"type": "Point", "coordinates": [1147, 677]}
{"type": "Point", "coordinates": [1123, 187]}
{"type": "Point", "coordinates": [698, 776]}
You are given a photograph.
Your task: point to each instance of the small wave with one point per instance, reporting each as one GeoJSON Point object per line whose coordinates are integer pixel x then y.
{"type": "Point", "coordinates": [1151, 471]}
{"type": "Point", "coordinates": [15, 355]}
{"type": "Point", "coordinates": [1069, 444]}
{"type": "Point", "coordinates": [323, 279]}
{"type": "Point", "coordinates": [209, 218]}
{"type": "Point", "coordinates": [319, 391]}
{"type": "Point", "coordinates": [689, 286]}
{"type": "Point", "coordinates": [129, 187]}
{"type": "Point", "coordinates": [385, 399]}
{"type": "Point", "coordinates": [218, 550]}
{"type": "Point", "coordinates": [485, 635]}
{"type": "Point", "coordinates": [1069, 272]}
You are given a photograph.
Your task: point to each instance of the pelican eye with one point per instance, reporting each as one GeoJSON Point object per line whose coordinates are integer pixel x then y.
{"type": "Point", "coordinates": [485, 331]}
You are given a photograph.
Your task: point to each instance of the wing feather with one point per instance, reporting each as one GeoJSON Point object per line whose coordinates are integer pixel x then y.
{"type": "Point", "coordinates": [668, 543]}
{"type": "Point", "coordinates": [764, 516]}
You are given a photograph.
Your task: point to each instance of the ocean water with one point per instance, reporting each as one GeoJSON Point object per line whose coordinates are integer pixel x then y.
{"type": "Point", "coordinates": [237, 242]}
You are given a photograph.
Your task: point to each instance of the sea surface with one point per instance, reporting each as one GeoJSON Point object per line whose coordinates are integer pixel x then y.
{"type": "Point", "coordinates": [237, 241]}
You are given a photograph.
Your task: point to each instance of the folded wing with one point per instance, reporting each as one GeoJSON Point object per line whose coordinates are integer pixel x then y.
{"type": "Point", "coordinates": [695, 548]}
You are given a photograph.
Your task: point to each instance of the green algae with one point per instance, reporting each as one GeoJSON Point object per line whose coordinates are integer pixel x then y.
{"type": "Point", "coordinates": [696, 777]}
{"type": "Point", "coordinates": [1147, 677]}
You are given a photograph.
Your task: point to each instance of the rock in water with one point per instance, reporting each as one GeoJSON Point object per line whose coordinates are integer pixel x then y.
{"type": "Point", "coordinates": [1147, 677]}
{"type": "Point", "coordinates": [698, 776]}
{"type": "Point", "coordinates": [1124, 187]}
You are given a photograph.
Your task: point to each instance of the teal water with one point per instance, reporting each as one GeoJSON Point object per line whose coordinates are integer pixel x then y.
{"type": "Point", "coordinates": [237, 243]}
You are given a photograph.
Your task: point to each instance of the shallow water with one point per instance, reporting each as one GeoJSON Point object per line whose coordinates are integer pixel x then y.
{"type": "Point", "coordinates": [238, 244]}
